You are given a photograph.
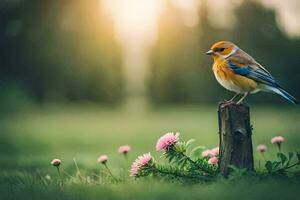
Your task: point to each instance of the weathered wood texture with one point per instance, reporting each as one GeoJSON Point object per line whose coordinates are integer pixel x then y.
{"type": "Point", "coordinates": [235, 133]}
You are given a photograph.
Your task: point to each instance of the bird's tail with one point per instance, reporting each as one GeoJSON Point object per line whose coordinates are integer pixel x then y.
{"type": "Point", "coordinates": [282, 93]}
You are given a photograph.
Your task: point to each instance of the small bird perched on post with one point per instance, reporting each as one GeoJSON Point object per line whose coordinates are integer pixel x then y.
{"type": "Point", "coordinates": [238, 72]}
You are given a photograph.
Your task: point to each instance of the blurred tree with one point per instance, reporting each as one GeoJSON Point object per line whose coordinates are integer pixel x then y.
{"type": "Point", "coordinates": [181, 72]}
{"type": "Point", "coordinates": [65, 50]}
{"type": "Point", "coordinates": [59, 50]}
{"type": "Point", "coordinates": [174, 74]}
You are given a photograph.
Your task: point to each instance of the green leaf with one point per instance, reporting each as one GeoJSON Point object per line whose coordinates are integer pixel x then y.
{"type": "Point", "coordinates": [196, 149]}
{"type": "Point", "coordinates": [189, 142]}
{"type": "Point", "coordinates": [298, 155]}
{"type": "Point", "coordinates": [180, 147]}
{"type": "Point", "coordinates": [275, 165]}
{"type": "Point", "coordinates": [282, 157]}
{"type": "Point", "coordinates": [269, 166]}
{"type": "Point", "coordinates": [291, 154]}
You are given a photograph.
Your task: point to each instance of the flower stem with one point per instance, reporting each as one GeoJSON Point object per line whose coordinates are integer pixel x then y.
{"type": "Point", "coordinates": [193, 162]}
{"type": "Point", "coordinates": [179, 174]}
{"type": "Point", "coordinates": [264, 157]}
{"type": "Point", "coordinates": [66, 173]}
{"type": "Point", "coordinates": [109, 171]}
{"type": "Point", "coordinates": [78, 174]}
{"type": "Point", "coordinates": [293, 165]}
{"type": "Point", "coordinates": [125, 156]}
{"type": "Point", "coordinates": [58, 171]}
{"type": "Point", "coordinates": [279, 147]}
{"type": "Point", "coordinates": [77, 168]}
{"type": "Point", "coordinates": [288, 167]}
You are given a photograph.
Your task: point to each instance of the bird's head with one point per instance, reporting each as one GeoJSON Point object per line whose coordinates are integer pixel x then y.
{"type": "Point", "coordinates": [222, 49]}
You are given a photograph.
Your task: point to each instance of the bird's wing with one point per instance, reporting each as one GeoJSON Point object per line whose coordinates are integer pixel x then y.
{"type": "Point", "coordinates": [248, 67]}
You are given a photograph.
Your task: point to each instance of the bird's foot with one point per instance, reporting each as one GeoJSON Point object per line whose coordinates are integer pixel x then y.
{"type": "Point", "coordinates": [239, 102]}
{"type": "Point", "coordinates": [227, 103]}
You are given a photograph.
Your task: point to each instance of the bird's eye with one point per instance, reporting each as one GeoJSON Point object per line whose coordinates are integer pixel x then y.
{"type": "Point", "coordinates": [222, 49]}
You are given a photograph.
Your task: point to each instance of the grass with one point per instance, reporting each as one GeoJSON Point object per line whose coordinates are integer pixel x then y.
{"type": "Point", "coordinates": [33, 137]}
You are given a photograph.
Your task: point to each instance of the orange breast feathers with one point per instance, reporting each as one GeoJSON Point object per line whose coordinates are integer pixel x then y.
{"type": "Point", "coordinates": [223, 72]}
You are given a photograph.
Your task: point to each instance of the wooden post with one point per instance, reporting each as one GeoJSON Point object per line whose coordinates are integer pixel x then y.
{"type": "Point", "coordinates": [235, 137]}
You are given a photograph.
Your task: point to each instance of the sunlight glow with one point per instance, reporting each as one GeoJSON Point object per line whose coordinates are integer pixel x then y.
{"type": "Point", "coordinates": [188, 10]}
{"type": "Point", "coordinates": [136, 24]}
{"type": "Point", "coordinates": [134, 19]}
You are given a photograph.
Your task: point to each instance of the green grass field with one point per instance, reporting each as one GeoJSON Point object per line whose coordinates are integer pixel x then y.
{"type": "Point", "coordinates": [33, 137]}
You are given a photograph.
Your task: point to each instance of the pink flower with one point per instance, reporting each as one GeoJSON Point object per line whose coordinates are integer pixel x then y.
{"type": "Point", "coordinates": [166, 141]}
{"type": "Point", "coordinates": [102, 159]}
{"type": "Point", "coordinates": [211, 152]}
{"type": "Point", "coordinates": [215, 151]}
{"type": "Point", "coordinates": [139, 163]}
{"type": "Point", "coordinates": [261, 148]}
{"type": "Point", "coordinates": [213, 161]}
{"type": "Point", "coordinates": [55, 162]}
{"type": "Point", "coordinates": [206, 153]}
{"type": "Point", "coordinates": [124, 149]}
{"type": "Point", "coordinates": [277, 140]}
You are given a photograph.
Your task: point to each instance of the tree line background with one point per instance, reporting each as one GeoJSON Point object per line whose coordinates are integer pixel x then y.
{"type": "Point", "coordinates": [60, 50]}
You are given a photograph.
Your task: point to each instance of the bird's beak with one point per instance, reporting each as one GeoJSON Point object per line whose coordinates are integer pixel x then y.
{"type": "Point", "coordinates": [210, 52]}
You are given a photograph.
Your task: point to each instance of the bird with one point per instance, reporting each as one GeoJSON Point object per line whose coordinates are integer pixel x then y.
{"type": "Point", "coordinates": [238, 72]}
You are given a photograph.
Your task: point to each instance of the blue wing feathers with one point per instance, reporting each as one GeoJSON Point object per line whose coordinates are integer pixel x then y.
{"type": "Point", "coordinates": [255, 74]}
{"type": "Point", "coordinates": [239, 70]}
{"type": "Point", "coordinates": [252, 70]}
{"type": "Point", "coordinates": [289, 97]}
